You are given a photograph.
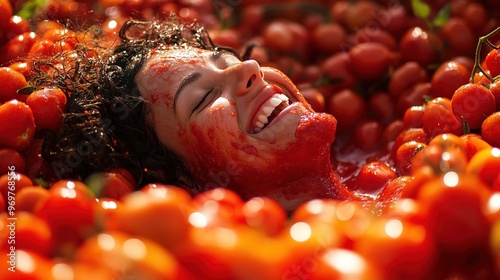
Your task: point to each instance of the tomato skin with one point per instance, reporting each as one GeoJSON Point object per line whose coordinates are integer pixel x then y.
{"type": "Point", "coordinates": [17, 48]}
{"type": "Point", "coordinates": [454, 205]}
{"type": "Point", "coordinates": [413, 96]}
{"type": "Point", "coordinates": [346, 116]}
{"type": "Point", "coordinates": [370, 60]}
{"type": "Point", "coordinates": [473, 103]}
{"type": "Point", "coordinates": [28, 198]}
{"type": "Point", "coordinates": [336, 68]}
{"type": "Point", "coordinates": [12, 81]}
{"type": "Point", "coordinates": [368, 135]}
{"type": "Point", "coordinates": [405, 155]}
{"type": "Point", "coordinates": [438, 118]}
{"type": "Point", "coordinates": [5, 15]}
{"type": "Point", "coordinates": [459, 37]}
{"type": "Point", "coordinates": [382, 106]}
{"type": "Point", "coordinates": [406, 75]}
{"type": "Point", "coordinates": [70, 212]}
{"type": "Point", "coordinates": [448, 78]}
{"type": "Point", "coordinates": [13, 182]}
{"type": "Point", "coordinates": [142, 210]}
{"type": "Point", "coordinates": [109, 185]}
{"type": "Point", "coordinates": [485, 164]}
{"type": "Point", "coordinates": [490, 129]}
{"type": "Point", "coordinates": [492, 62]}
{"type": "Point", "coordinates": [265, 214]}
{"type": "Point", "coordinates": [372, 178]}
{"type": "Point", "coordinates": [412, 117]}
{"type": "Point", "coordinates": [419, 45]}
{"type": "Point", "coordinates": [17, 126]}
{"type": "Point", "coordinates": [11, 157]}
{"type": "Point", "coordinates": [48, 106]}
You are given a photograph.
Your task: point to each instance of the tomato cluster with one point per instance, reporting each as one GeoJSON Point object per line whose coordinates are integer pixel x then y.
{"type": "Point", "coordinates": [414, 85]}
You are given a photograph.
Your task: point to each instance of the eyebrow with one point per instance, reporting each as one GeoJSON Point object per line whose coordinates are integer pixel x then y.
{"type": "Point", "coordinates": [189, 79]}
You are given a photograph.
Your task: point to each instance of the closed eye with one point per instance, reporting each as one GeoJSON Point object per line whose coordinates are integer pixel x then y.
{"type": "Point", "coordinates": [202, 101]}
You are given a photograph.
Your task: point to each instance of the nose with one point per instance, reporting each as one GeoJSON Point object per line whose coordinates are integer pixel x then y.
{"type": "Point", "coordinates": [248, 75]}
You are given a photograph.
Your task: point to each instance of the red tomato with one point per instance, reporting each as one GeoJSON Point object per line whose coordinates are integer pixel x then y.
{"type": "Point", "coordinates": [71, 213]}
{"type": "Point", "coordinates": [448, 78]}
{"type": "Point", "coordinates": [10, 157]}
{"type": "Point", "coordinates": [473, 103]}
{"type": "Point", "coordinates": [265, 214]}
{"type": "Point", "coordinates": [438, 118]}
{"type": "Point", "coordinates": [37, 167]}
{"type": "Point", "coordinates": [17, 126]}
{"type": "Point", "coordinates": [28, 198]}
{"type": "Point", "coordinates": [473, 144]}
{"type": "Point", "coordinates": [11, 183]}
{"type": "Point", "coordinates": [420, 46]}
{"type": "Point", "coordinates": [48, 106]}
{"type": "Point", "coordinates": [142, 210]}
{"type": "Point", "coordinates": [26, 264]}
{"type": "Point", "coordinates": [368, 135]}
{"type": "Point", "coordinates": [11, 82]}
{"type": "Point", "coordinates": [129, 256]}
{"type": "Point", "coordinates": [405, 76]}
{"type": "Point", "coordinates": [485, 164]}
{"type": "Point", "coordinates": [31, 234]}
{"type": "Point", "coordinates": [382, 107]}
{"type": "Point", "coordinates": [490, 129]}
{"type": "Point", "coordinates": [347, 116]}
{"type": "Point", "coordinates": [18, 47]}
{"type": "Point", "coordinates": [372, 178]}
{"type": "Point", "coordinates": [405, 155]}
{"type": "Point", "coordinates": [412, 117]}
{"type": "Point", "coordinates": [5, 15]}
{"type": "Point", "coordinates": [492, 62]}
{"type": "Point", "coordinates": [370, 60]}
{"type": "Point", "coordinates": [110, 185]}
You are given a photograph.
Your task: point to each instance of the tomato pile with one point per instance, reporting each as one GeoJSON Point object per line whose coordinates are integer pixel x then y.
{"type": "Point", "coordinates": [414, 85]}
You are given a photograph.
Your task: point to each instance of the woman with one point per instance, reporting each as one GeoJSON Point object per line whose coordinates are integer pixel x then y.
{"type": "Point", "coordinates": [170, 105]}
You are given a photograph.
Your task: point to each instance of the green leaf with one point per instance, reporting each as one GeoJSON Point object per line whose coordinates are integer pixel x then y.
{"type": "Point", "coordinates": [442, 16]}
{"type": "Point", "coordinates": [420, 9]}
{"type": "Point", "coordinates": [30, 8]}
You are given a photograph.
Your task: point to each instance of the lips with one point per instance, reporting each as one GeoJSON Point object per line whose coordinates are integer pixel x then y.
{"type": "Point", "coordinates": [272, 103]}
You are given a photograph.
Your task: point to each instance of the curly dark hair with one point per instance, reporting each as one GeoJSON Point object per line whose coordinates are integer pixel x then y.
{"type": "Point", "coordinates": [104, 125]}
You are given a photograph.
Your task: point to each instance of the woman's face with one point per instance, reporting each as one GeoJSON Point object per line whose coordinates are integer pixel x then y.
{"type": "Point", "coordinates": [234, 124]}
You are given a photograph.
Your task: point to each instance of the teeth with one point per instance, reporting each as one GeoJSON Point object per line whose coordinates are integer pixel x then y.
{"type": "Point", "coordinates": [262, 119]}
{"type": "Point", "coordinates": [269, 110]}
{"type": "Point", "coordinates": [275, 101]}
{"type": "Point", "coordinates": [259, 124]}
{"type": "Point", "coordinates": [282, 97]}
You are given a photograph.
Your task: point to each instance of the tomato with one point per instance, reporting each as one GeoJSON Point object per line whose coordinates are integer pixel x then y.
{"type": "Point", "coordinates": [314, 97]}
{"type": "Point", "coordinates": [328, 37]}
{"type": "Point", "coordinates": [372, 178]}
{"type": "Point", "coordinates": [473, 144]}
{"type": "Point", "coordinates": [460, 38]}
{"type": "Point", "coordinates": [440, 158]}
{"type": "Point", "coordinates": [337, 75]}
{"type": "Point", "coordinates": [413, 96]}
{"type": "Point", "coordinates": [382, 107]}
{"type": "Point", "coordinates": [31, 234]}
{"type": "Point", "coordinates": [473, 103]}
{"type": "Point", "coordinates": [13, 159]}
{"type": "Point", "coordinates": [109, 184]}
{"type": "Point", "coordinates": [438, 118]}
{"type": "Point", "coordinates": [448, 78]}
{"type": "Point", "coordinates": [26, 264]}
{"type": "Point", "coordinates": [48, 106]}
{"type": "Point", "coordinates": [142, 210]}
{"type": "Point", "coordinates": [490, 129]}
{"type": "Point", "coordinates": [485, 164]}
{"type": "Point", "coordinates": [405, 155]}
{"type": "Point", "coordinates": [129, 256]}
{"type": "Point", "coordinates": [495, 90]}
{"type": "Point", "coordinates": [17, 25]}
{"type": "Point", "coordinates": [412, 117]}
{"type": "Point", "coordinates": [393, 189]}
{"type": "Point", "coordinates": [492, 62]}
{"type": "Point", "coordinates": [71, 213]}
{"type": "Point", "coordinates": [455, 206]}
{"type": "Point", "coordinates": [5, 15]}
{"type": "Point", "coordinates": [17, 126]}
{"type": "Point", "coordinates": [17, 48]}
{"type": "Point", "coordinates": [368, 135]}
{"type": "Point", "coordinates": [420, 46]}
{"type": "Point", "coordinates": [392, 130]}
{"type": "Point", "coordinates": [12, 81]}
{"type": "Point", "coordinates": [377, 35]}
{"type": "Point", "coordinates": [346, 116]}
{"type": "Point", "coordinates": [11, 183]}
{"type": "Point", "coordinates": [370, 60]}
{"type": "Point", "coordinates": [387, 243]}
{"type": "Point", "coordinates": [360, 13]}
{"type": "Point", "coordinates": [37, 167]}
{"type": "Point", "coordinates": [265, 214]}
{"type": "Point", "coordinates": [28, 198]}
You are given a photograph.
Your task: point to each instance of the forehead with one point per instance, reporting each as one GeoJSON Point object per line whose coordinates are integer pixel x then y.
{"type": "Point", "coordinates": [176, 57]}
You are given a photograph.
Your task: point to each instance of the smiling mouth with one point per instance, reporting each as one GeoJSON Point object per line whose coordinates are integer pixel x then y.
{"type": "Point", "coordinates": [268, 111]}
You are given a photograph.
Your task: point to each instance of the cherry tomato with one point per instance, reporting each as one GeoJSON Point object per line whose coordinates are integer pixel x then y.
{"type": "Point", "coordinates": [370, 60]}
{"type": "Point", "coordinates": [129, 256]}
{"type": "Point", "coordinates": [368, 135]}
{"type": "Point", "coordinates": [485, 164]}
{"type": "Point", "coordinates": [12, 81]}
{"type": "Point", "coordinates": [346, 116]}
{"type": "Point", "coordinates": [438, 118]}
{"type": "Point", "coordinates": [71, 213]}
{"type": "Point", "coordinates": [382, 107]}
{"type": "Point", "coordinates": [31, 234]}
{"type": "Point", "coordinates": [28, 198]}
{"type": "Point", "coordinates": [492, 62]}
{"type": "Point", "coordinates": [490, 129]}
{"type": "Point", "coordinates": [265, 214]}
{"type": "Point", "coordinates": [420, 46]}
{"type": "Point", "coordinates": [5, 15]}
{"type": "Point", "coordinates": [13, 159]}
{"type": "Point", "coordinates": [17, 126]}
{"type": "Point", "coordinates": [372, 178]}
{"type": "Point", "coordinates": [142, 210]}
{"type": "Point", "coordinates": [11, 183]}
{"type": "Point", "coordinates": [412, 117]}
{"type": "Point", "coordinates": [473, 103]}
{"type": "Point", "coordinates": [448, 78]}
{"type": "Point", "coordinates": [405, 155]}
{"type": "Point", "coordinates": [109, 184]}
